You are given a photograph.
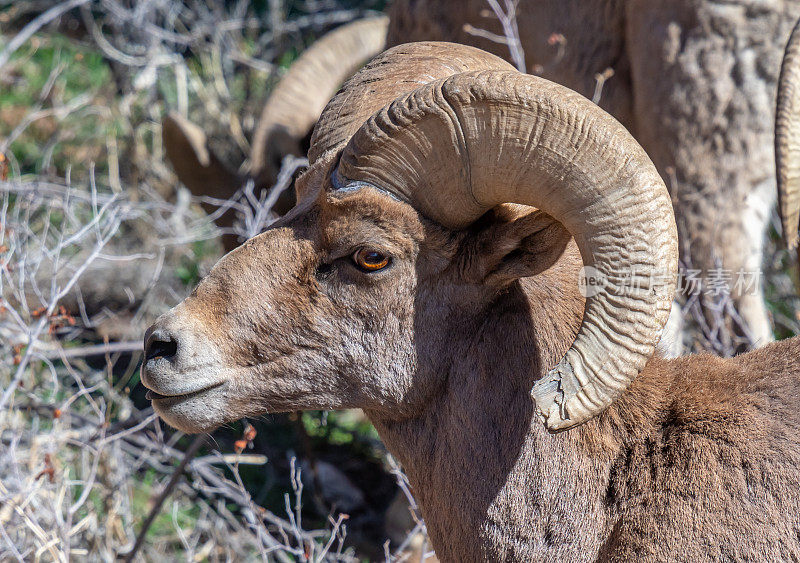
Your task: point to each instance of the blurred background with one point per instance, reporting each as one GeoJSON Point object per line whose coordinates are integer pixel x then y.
{"type": "Point", "coordinates": [98, 237]}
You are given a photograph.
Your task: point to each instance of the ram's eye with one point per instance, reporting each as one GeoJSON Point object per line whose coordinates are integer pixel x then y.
{"type": "Point", "coordinates": [370, 260]}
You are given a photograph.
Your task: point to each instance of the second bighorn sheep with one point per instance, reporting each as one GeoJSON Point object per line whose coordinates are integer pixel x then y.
{"type": "Point", "coordinates": [693, 80]}
{"type": "Point", "coordinates": [405, 283]}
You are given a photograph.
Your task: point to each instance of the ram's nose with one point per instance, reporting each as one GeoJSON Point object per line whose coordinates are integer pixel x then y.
{"type": "Point", "coordinates": [166, 350]}
{"type": "Point", "coordinates": [180, 359]}
{"type": "Point", "coordinates": [160, 343]}
{"type": "Point", "coordinates": [185, 378]}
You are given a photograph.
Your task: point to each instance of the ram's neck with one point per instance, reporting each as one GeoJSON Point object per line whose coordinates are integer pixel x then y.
{"type": "Point", "coordinates": [492, 483]}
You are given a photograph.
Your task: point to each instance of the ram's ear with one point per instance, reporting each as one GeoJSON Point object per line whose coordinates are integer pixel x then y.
{"type": "Point", "coordinates": [512, 242]}
{"type": "Point", "coordinates": [197, 167]}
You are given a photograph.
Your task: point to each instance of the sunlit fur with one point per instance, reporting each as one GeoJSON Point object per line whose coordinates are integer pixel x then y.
{"type": "Point", "coordinates": [699, 460]}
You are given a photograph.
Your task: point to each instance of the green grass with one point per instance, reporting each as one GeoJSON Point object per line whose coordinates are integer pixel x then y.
{"type": "Point", "coordinates": [338, 427]}
{"type": "Point", "coordinates": [162, 528]}
{"type": "Point", "coordinates": [81, 71]}
{"type": "Point", "coordinates": [84, 70]}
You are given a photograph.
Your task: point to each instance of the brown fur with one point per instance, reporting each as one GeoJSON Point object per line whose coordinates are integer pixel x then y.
{"type": "Point", "coordinates": [698, 461]}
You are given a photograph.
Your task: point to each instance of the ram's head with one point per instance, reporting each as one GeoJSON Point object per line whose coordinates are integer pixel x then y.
{"type": "Point", "coordinates": [402, 240]}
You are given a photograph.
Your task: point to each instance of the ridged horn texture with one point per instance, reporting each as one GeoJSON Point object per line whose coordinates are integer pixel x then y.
{"type": "Point", "coordinates": [299, 98]}
{"type": "Point", "coordinates": [374, 86]}
{"type": "Point", "coordinates": [456, 147]}
{"type": "Point", "coordinates": [787, 140]}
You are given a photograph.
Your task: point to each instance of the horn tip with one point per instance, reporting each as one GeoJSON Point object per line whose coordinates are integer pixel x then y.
{"type": "Point", "coordinates": [550, 409]}
{"type": "Point", "coordinates": [552, 417]}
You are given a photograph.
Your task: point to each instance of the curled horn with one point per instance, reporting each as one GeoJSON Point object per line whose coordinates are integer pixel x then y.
{"type": "Point", "coordinates": [457, 147]}
{"type": "Point", "coordinates": [787, 140]}
{"type": "Point", "coordinates": [374, 87]}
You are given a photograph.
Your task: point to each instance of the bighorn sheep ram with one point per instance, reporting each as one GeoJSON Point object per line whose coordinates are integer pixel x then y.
{"type": "Point", "coordinates": [694, 81]}
{"type": "Point", "coordinates": [405, 283]}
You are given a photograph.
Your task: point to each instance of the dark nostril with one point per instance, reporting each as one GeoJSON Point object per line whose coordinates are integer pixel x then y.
{"type": "Point", "coordinates": [160, 345]}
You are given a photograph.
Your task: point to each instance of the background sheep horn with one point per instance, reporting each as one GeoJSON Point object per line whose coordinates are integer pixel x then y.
{"type": "Point", "coordinates": [787, 140]}
{"type": "Point", "coordinates": [297, 101]}
{"type": "Point", "coordinates": [459, 146]}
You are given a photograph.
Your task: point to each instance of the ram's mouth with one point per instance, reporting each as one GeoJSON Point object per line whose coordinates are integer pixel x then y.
{"type": "Point", "coordinates": [155, 396]}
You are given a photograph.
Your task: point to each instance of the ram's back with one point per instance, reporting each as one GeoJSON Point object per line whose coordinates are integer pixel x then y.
{"type": "Point", "coordinates": [719, 476]}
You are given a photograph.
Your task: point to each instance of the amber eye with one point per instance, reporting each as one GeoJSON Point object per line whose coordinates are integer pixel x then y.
{"type": "Point", "coordinates": [370, 260]}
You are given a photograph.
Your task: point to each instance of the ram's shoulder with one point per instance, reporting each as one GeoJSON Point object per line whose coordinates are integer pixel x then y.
{"type": "Point", "coordinates": [722, 458]}
{"type": "Point", "coordinates": [719, 397]}
{"type": "Point", "coordinates": [724, 430]}
{"type": "Point", "coordinates": [731, 428]}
